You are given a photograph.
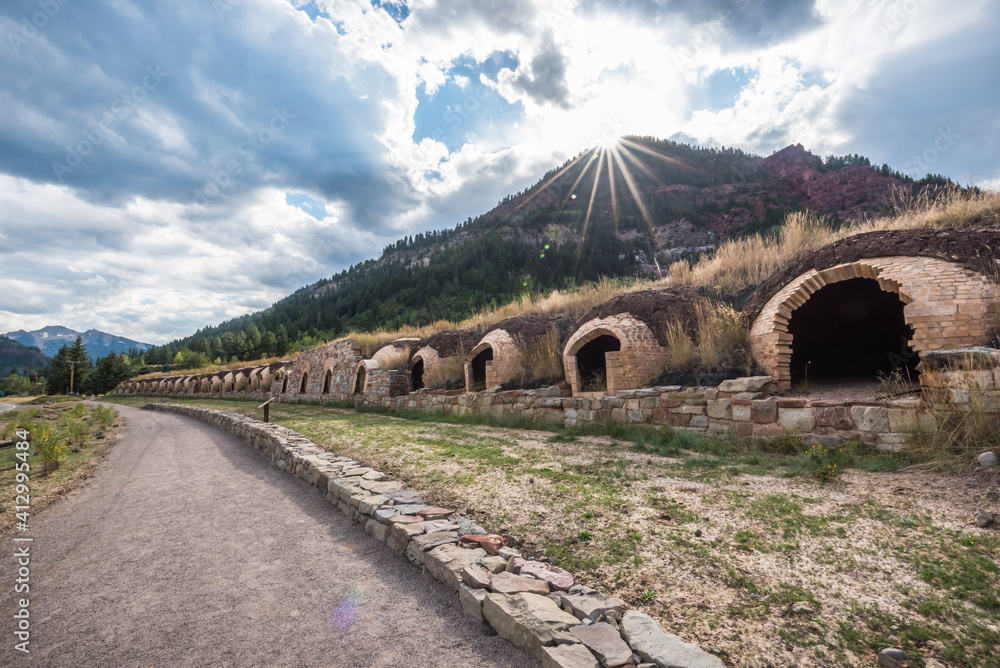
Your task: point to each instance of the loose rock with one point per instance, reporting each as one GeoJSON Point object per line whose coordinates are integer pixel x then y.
{"type": "Point", "coordinates": [655, 645]}
{"type": "Point", "coordinates": [891, 658]}
{"type": "Point", "coordinates": [556, 577]}
{"type": "Point", "coordinates": [989, 459]}
{"type": "Point", "coordinates": [982, 517]}
{"type": "Point", "coordinates": [507, 583]}
{"type": "Point", "coordinates": [605, 642]}
{"type": "Point", "coordinates": [446, 563]}
{"type": "Point", "coordinates": [568, 656]}
{"type": "Point", "coordinates": [476, 577]}
{"type": "Point", "coordinates": [489, 542]}
{"type": "Point", "coordinates": [495, 564]}
{"type": "Point", "coordinates": [529, 621]}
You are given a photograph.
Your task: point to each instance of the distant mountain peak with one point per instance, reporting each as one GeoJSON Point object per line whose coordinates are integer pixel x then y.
{"type": "Point", "coordinates": [51, 338]}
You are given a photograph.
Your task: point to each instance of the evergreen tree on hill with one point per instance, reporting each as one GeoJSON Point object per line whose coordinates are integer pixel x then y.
{"type": "Point", "coordinates": [68, 357]}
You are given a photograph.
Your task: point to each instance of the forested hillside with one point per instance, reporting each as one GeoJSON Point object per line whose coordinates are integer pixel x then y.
{"type": "Point", "coordinates": [626, 211]}
{"type": "Point", "coordinates": [19, 358]}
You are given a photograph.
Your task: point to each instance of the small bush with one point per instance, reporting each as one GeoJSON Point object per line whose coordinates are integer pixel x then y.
{"type": "Point", "coordinates": [105, 415]}
{"type": "Point", "coordinates": [397, 360]}
{"type": "Point", "coordinates": [822, 463]}
{"type": "Point", "coordinates": [723, 340]}
{"type": "Point", "coordinates": [48, 446]}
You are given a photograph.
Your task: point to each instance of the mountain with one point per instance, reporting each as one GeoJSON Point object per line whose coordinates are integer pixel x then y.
{"type": "Point", "coordinates": [629, 210]}
{"type": "Point", "coordinates": [50, 339]}
{"type": "Point", "coordinates": [15, 356]}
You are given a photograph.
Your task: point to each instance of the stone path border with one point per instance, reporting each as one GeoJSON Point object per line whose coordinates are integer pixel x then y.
{"type": "Point", "coordinates": [534, 605]}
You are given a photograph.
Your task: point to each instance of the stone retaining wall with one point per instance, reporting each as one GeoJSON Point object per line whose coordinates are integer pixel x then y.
{"type": "Point", "coordinates": [535, 605]}
{"type": "Point", "coordinates": [744, 407]}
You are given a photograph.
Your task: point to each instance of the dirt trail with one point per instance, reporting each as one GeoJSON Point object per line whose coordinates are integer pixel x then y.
{"type": "Point", "coordinates": [187, 549]}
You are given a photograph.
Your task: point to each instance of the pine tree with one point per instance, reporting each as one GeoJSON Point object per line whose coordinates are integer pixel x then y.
{"type": "Point", "coordinates": [63, 373]}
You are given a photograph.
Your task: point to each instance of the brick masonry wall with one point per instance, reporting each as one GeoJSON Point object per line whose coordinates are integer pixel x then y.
{"type": "Point", "coordinates": [505, 363]}
{"type": "Point", "coordinates": [947, 306]}
{"type": "Point", "coordinates": [744, 407]}
{"type": "Point", "coordinates": [640, 359]}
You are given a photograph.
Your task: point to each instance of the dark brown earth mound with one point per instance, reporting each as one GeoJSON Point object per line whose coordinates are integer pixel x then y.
{"type": "Point", "coordinates": [450, 342]}
{"type": "Point", "coordinates": [528, 328]}
{"type": "Point", "coordinates": [977, 250]}
{"type": "Point", "coordinates": [655, 308]}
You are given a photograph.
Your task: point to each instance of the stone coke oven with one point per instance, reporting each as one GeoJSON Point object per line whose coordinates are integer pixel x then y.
{"type": "Point", "coordinates": [618, 345]}
{"type": "Point", "coordinates": [874, 303]}
{"type": "Point", "coordinates": [497, 357]}
{"type": "Point", "coordinates": [362, 372]}
{"type": "Point", "coordinates": [436, 356]}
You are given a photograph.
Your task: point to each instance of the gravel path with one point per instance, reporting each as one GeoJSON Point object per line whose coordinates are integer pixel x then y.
{"type": "Point", "coordinates": [187, 549]}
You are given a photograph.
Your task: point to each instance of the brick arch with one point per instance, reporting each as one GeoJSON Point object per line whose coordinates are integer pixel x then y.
{"type": "Point", "coordinates": [503, 366]}
{"type": "Point", "coordinates": [946, 305]}
{"type": "Point", "coordinates": [360, 377]}
{"type": "Point", "coordinates": [640, 359]}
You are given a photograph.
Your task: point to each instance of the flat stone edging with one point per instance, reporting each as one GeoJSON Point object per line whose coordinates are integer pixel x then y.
{"type": "Point", "coordinates": [534, 605]}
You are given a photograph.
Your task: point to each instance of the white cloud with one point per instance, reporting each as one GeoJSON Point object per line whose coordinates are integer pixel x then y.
{"type": "Point", "coordinates": [124, 224]}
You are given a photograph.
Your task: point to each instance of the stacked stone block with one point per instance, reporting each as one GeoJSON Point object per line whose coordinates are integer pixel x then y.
{"type": "Point", "coordinates": [947, 305]}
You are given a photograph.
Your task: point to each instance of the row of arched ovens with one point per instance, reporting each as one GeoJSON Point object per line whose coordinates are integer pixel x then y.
{"type": "Point", "coordinates": [255, 379]}
{"type": "Point", "coordinates": [855, 318]}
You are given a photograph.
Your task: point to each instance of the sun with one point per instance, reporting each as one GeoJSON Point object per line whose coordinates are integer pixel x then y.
{"type": "Point", "coordinates": [607, 141]}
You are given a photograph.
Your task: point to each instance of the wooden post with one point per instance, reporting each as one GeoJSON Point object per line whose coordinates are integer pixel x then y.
{"type": "Point", "coordinates": [267, 409]}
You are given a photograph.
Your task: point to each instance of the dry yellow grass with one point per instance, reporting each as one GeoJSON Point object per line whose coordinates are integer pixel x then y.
{"type": "Point", "coordinates": [540, 360]}
{"type": "Point", "coordinates": [680, 348]}
{"type": "Point", "coordinates": [740, 264]}
{"type": "Point", "coordinates": [736, 265]}
{"type": "Point", "coordinates": [449, 372]}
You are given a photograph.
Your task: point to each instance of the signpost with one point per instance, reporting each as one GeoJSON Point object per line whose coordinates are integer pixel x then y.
{"type": "Point", "coordinates": [267, 409]}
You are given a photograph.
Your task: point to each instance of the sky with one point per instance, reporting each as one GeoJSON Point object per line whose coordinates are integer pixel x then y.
{"type": "Point", "coordinates": [168, 166]}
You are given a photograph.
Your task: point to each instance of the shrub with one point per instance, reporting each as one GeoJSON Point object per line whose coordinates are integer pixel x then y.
{"type": "Point", "coordinates": [105, 415]}
{"type": "Point", "coordinates": [822, 463]}
{"type": "Point", "coordinates": [48, 446]}
{"type": "Point", "coordinates": [77, 432]}
{"type": "Point", "coordinates": [398, 360]}
{"type": "Point", "coordinates": [723, 340]}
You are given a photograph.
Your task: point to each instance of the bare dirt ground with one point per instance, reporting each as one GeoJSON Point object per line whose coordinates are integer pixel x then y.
{"type": "Point", "coordinates": [186, 549]}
